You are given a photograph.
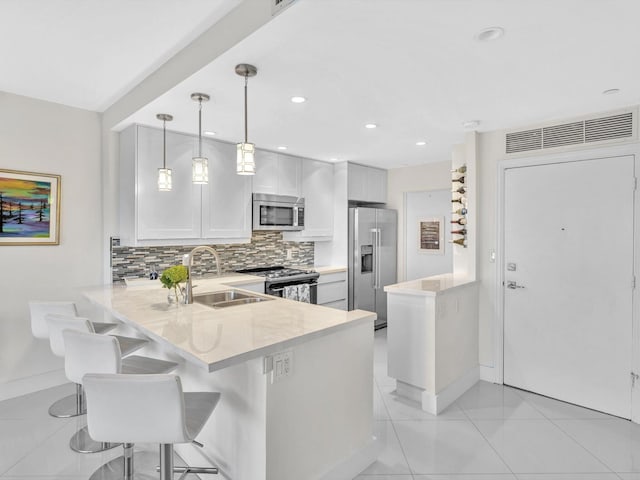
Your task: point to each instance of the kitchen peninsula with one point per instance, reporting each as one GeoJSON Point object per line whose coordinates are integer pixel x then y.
{"type": "Point", "coordinates": [432, 339]}
{"type": "Point", "coordinates": [296, 379]}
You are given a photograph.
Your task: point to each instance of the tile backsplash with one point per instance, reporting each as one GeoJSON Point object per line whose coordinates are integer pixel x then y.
{"type": "Point", "coordinates": [265, 249]}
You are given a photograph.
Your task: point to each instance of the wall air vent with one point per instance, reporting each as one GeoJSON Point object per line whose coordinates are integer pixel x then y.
{"type": "Point", "coordinates": [606, 128]}
{"type": "Point", "coordinates": [524, 141]}
{"type": "Point", "coordinates": [602, 129]}
{"type": "Point", "coordinates": [562, 135]}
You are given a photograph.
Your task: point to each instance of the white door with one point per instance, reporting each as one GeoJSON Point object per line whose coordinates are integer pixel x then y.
{"type": "Point", "coordinates": [568, 247]}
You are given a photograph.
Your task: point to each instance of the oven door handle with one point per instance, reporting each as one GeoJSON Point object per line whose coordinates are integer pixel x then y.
{"type": "Point", "coordinates": [311, 284]}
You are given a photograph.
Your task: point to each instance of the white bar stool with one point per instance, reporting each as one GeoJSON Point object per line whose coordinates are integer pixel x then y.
{"type": "Point", "coordinates": [73, 405]}
{"type": "Point", "coordinates": [146, 409]}
{"type": "Point", "coordinates": [67, 406]}
{"type": "Point", "coordinates": [39, 309]}
{"type": "Point", "coordinates": [87, 352]}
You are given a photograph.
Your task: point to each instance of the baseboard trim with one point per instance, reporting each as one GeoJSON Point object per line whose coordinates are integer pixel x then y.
{"type": "Point", "coordinates": [23, 386]}
{"type": "Point", "coordinates": [436, 403]}
{"type": "Point", "coordinates": [487, 374]}
{"type": "Point", "coordinates": [356, 463]}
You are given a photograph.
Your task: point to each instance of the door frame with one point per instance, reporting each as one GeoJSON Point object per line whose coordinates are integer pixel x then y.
{"type": "Point", "coordinates": [566, 157]}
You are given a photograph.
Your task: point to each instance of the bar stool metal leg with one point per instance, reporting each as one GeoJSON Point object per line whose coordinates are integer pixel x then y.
{"type": "Point", "coordinates": [70, 406]}
{"type": "Point", "coordinates": [121, 468]}
{"type": "Point", "coordinates": [82, 442]}
{"type": "Point", "coordinates": [166, 461]}
{"type": "Point", "coordinates": [128, 461]}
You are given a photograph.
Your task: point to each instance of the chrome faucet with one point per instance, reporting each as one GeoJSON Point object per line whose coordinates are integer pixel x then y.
{"type": "Point", "coordinates": [187, 261]}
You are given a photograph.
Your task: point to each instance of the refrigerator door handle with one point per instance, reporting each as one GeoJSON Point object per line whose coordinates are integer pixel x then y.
{"type": "Point", "coordinates": [374, 265]}
{"type": "Point", "coordinates": [378, 245]}
{"type": "Point", "coordinates": [375, 241]}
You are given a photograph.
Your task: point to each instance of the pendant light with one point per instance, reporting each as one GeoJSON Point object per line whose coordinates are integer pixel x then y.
{"type": "Point", "coordinates": [200, 164]}
{"type": "Point", "coordinates": [164, 173]}
{"type": "Point", "coordinates": [246, 164]}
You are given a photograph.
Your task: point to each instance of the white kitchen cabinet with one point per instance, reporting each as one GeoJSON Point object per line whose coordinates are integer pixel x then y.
{"type": "Point", "coordinates": [332, 290]}
{"type": "Point", "coordinates": [366, 184]}
{"type": "Point", "coordinates": [226, 199]}
{"type": "Point", "coordinates": [188, 214]}
{"type": "Point", "coordinates": [317, 190]}
{"type": "Point", "coordinates": [277, 174]}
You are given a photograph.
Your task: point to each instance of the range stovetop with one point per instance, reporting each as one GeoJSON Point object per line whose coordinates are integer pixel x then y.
{"type": "Point", "coordinates": [279, 272]}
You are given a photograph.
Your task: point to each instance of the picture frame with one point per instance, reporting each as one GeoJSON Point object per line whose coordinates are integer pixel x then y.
{"type": "Point", "coordinates": [431, 235]}
{"type": "Point", "coordinates": [29, 208]}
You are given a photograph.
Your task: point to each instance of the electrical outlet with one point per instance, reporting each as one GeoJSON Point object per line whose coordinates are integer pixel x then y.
{"type": "Point", "coordinates": [282, 365]}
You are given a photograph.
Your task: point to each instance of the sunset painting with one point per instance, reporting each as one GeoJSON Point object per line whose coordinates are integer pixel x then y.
{"type": "Point", "coordinates": [28, 208]}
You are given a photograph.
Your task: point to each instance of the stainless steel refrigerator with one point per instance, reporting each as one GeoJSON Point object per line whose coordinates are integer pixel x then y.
{"type": "Point", "coordinates": [372, 259]}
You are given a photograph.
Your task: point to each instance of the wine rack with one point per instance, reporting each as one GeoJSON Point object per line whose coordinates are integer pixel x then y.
{"type": "Point", "coordinates": [459, 206]}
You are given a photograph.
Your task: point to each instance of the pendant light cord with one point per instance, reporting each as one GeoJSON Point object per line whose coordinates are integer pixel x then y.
{"type": "Point", "coordinates": [200, 129]}
{"type": "Point", "coordinates": [164, 144]}
{"type": "Point", "coordinates": [246, 127]}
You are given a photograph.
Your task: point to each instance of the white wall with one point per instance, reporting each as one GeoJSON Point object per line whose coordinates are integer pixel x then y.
{"type": "Point", "coordinates": [424, 205]}
{"type": "Point", "coordinates": [44, 137]}
{"type": "Point", "coordinates": [432, 176]}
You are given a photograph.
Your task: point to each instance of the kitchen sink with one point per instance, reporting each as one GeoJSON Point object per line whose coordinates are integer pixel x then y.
{"type": "Point", "coordinates": [228, 298]}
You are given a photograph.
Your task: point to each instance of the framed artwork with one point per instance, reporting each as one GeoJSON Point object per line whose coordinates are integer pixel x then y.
{"type": "Point", "coordinates": [431, 235]}
{"type": "Point", "coordinates": [29, 208]}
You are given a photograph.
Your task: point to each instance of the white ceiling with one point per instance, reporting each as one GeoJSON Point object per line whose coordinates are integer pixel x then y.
{"type": "Point", "coordinates": [411, 66]}
{"type": "Point", "coordinates": [88, 53]}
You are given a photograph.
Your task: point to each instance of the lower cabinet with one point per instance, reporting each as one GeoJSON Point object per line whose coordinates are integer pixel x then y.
{"type": "Point", "coordinates": [332, 290]}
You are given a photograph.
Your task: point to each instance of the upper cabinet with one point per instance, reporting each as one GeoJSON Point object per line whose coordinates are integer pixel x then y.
{"type": "Point", "coordinates": [277, 174]}
{"type": "Point", "coordinates": [220, 210]}
{"type": "Point", "coordinates": [367, 184]}
{"type": "Point", "coordinates": [226, 200]}
{"type": "Point", "coordinates": [317, 190]}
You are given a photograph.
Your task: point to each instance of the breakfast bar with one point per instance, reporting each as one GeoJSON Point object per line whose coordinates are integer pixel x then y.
{"type": "Point", "coordinates": [295, 378]}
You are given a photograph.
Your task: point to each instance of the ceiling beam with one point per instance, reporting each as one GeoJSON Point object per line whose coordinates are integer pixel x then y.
{"type": "Point", "coordinates": [238, 24]}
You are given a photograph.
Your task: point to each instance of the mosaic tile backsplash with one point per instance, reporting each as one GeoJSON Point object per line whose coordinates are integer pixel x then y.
{"type": "Point", "coordinates": [265, 249]}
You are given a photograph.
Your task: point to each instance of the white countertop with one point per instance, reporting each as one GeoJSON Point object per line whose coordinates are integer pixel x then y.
{"type": "Point", "coordinates": [429, 286]}
{"type": "Point", "coordinates": [329, 269]}
{"type": "Point", "coordinates": [229, 279]}
{"type": "Point", "coordinates": [217, 338]}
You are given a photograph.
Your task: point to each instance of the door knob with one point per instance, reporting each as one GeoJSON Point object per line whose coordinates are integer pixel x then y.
{"type": "Point", "coordinates": [513, 285]}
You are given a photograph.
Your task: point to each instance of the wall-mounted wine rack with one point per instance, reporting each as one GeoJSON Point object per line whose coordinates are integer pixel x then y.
{"type": "Point", "coordinates": [459, 202]}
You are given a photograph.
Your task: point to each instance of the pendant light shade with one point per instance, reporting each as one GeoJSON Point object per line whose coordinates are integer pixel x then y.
{"type": "Point", "coordinates": [246, 164]}
{"type": "Point", "coordinates": [164, 173]}
{"type": "Point", "coordinates": [200, 164]}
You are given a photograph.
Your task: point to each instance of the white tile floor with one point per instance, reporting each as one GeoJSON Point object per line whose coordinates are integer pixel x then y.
{"type": "Point", "coordinates": [496, 432]}
{"type": "Point", "coordinates": [491, 432]}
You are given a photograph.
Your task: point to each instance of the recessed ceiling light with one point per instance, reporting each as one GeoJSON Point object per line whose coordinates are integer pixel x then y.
{"type": "Point", "coordinates": [298, 99]}
{"type": "Point", "coordinates": [333, 159]}
{"type": "Point", "coordinates": [371, 125]}
{"type": "Point", "coordinates": [209, 132]}
{"type": "Point", "coordinates": [611, 91]}
{"type": "Point", "coordinates": [489, 34]}
{"type": "Point", "coordinates": [471, 124]}
{"type": "Point", "coordinates": [282, 147]}
{"type": "Point", "coordinates": [421, 143]}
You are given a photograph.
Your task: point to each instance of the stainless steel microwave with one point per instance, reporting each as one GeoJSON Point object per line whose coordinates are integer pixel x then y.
{"type": "Point", "coordinates": [277, 212]}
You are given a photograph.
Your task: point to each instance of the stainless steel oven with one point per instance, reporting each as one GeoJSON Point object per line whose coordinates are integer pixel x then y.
{"type": "Point", "coordinates": [277, 212]}
{"type": "Point", "coordinates": [277, 279]}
